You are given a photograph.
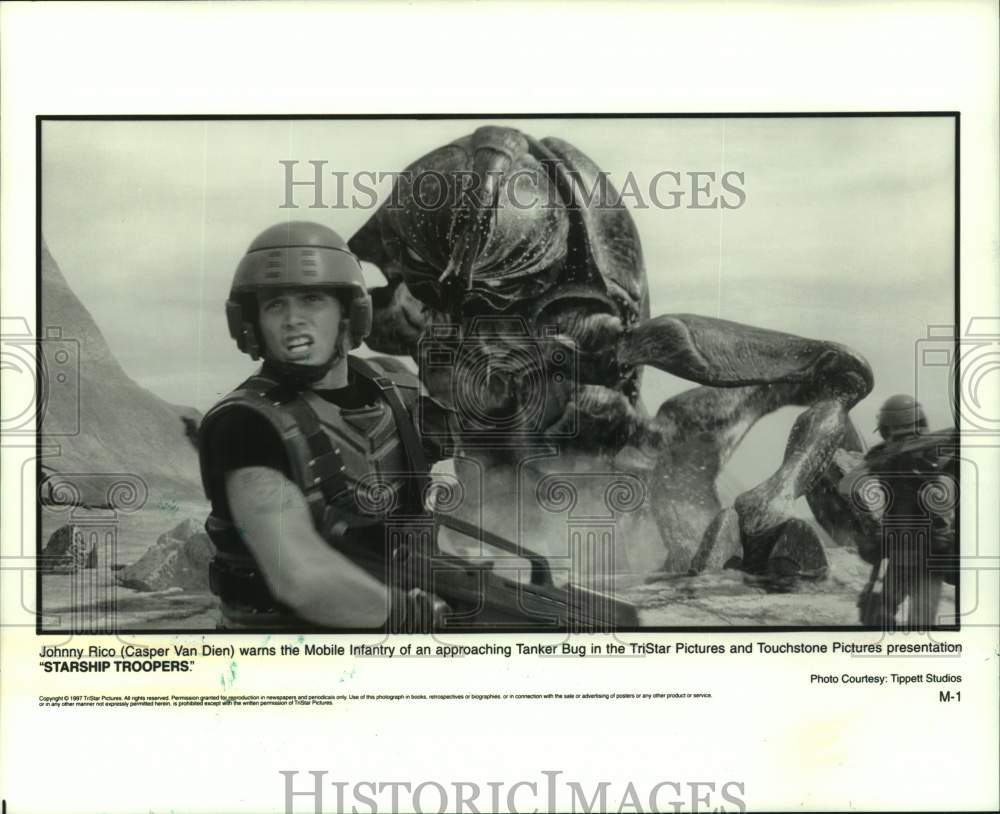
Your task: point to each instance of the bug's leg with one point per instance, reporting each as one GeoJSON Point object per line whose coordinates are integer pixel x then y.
{"type": "Point", "coordinates": [601, 421]}
{"type": "Point", "coordinates": [678, 453]}
{"type": "Point", "coordinates": [702, 427]}
{"type": "Point", "coordinates": [826, 378]}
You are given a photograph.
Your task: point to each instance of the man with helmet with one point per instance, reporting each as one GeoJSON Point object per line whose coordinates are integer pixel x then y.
{"type": "Point", "coordinates": [291, 458]}
{"type": "Point", "coordinates": [914, 519]}
{"type": "Point", "coordinates": [901, 416]}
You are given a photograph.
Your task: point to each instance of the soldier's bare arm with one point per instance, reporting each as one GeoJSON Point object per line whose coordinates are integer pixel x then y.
{"type": "Point", "coordinates": [301, 569]}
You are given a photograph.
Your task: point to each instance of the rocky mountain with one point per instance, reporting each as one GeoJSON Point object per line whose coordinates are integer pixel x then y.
{"type": "Point", "coordinates": [100, 421]}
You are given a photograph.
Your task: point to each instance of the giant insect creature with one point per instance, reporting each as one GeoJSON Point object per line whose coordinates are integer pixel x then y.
{"type": "Point", "coordinates": [516, 281]}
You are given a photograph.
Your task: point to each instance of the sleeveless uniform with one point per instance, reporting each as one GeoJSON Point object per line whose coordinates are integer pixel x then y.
{"type": "Point", "coordinates": [354, 467]}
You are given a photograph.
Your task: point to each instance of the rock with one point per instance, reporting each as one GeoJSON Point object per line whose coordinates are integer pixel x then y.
{"type": "Point", "coordinates": [178, 559]}
{"type": "Point", "coordinates": [183, 531]}
{"type": "Point", "coordinates": [190, 423]}
{"type": "Point", "coordinates": [67, 551]}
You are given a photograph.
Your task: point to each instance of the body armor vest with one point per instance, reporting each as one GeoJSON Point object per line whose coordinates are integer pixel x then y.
{"type": "Point", "coordinates": [916, 525]}
{"type": "Point", "coordinates": [354, 467]}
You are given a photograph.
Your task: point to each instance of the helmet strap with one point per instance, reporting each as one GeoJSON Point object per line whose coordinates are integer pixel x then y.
{"type": "Point", "coordinates": [303, 377]}
{"type": "Point", "coordinates": [299, 376]}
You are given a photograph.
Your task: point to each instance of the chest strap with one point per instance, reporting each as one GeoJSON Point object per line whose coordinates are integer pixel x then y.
{"type": "Point", "coordinates": [325, 480]}
{"type": "Point", "coordinates": [323, 476]}
{"type": "Point", "coordinates": [404, 425]}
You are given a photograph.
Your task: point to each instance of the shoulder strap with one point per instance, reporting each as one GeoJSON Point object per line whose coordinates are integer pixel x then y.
{"type": "Point", "coordinates": [251, 394]}
{"type": "Point", "coordinates": [404, 423]}
{"type": "Point", "coordinates": [324, 474]}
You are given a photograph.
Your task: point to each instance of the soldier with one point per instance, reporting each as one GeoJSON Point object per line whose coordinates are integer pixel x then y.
{"type": "Point", "coordinates": [916, 521]}
{"type": "Point", "coordinates": [287, 457]}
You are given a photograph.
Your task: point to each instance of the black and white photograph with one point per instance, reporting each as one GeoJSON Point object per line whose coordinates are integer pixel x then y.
{"type": "Point", "coordinates": [498, 374]}
{"type": "Point", "coordinates": [499, 407]}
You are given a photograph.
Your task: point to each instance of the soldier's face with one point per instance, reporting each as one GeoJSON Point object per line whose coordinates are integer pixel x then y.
{"type": "Point", "coordinates": [303, 325]}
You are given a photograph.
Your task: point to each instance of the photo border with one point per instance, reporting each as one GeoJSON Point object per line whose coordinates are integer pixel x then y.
{"type": "Point", "coordinates": [955, 374]}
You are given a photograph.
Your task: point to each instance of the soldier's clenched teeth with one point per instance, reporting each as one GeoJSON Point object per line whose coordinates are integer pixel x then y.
{"type": "Point", "coordinates": [299, 345]}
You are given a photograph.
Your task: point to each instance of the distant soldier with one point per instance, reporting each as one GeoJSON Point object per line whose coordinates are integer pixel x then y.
{"type": "Point", "coordinates": [912, 522]}
{"type": "Point", "coordinates": [308, 458]}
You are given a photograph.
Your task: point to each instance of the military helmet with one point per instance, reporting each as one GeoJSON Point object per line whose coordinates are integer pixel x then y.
{"type": "Point", "coordinates": [296, 254]}
{"type": "Point", "coordinates": [900, 412]}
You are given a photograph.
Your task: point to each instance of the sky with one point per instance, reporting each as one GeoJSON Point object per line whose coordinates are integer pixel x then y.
{"type": "Point", "coordinates": [846, 233]}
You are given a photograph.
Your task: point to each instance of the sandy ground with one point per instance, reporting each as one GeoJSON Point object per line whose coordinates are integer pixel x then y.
{"type": "Point", "coordinates": [133, 532]}
{"type": "Point", "coordinates": [118, 608]}
{"type": "Point", "coordinates": [90, 599]}
{"type": "Point", "coordinates": [731, 598]}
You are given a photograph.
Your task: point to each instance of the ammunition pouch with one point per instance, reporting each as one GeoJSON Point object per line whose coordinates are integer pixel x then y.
{"type": "Point", "coordinates": [243, 586]}
{"type": "Point", "coordinates": [237, 580]}
{"type": "Point", "coordinates": [233, 575]}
